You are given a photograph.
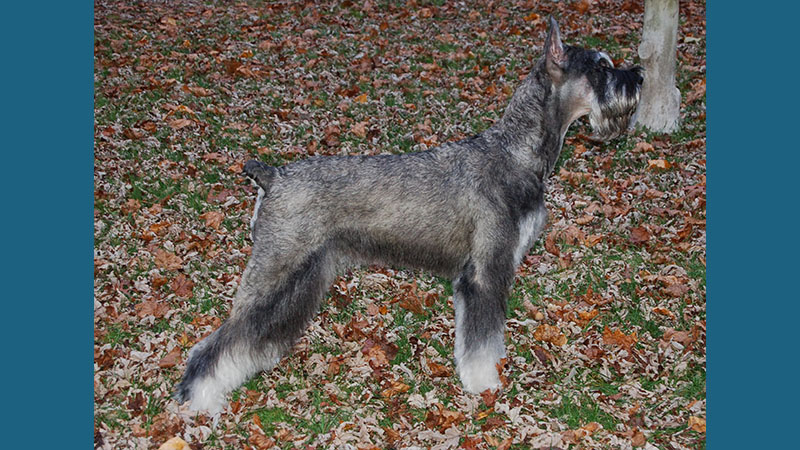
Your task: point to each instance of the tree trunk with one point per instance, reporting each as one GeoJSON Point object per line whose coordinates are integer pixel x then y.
{"type": "Point", "coordinates": [660, 101]}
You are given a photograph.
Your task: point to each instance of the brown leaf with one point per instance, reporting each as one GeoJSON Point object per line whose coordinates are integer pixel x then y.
{"type": "Point", "coordinates": [361, 98]}
{"type": "Point", "coordinates": [443, 418]}
{"type": "Point", "coordinates": [151, 308]}
{"type": "Point", "coordinates": [542, 354]}
{"type": "Point", "coordinates": [551, 334]}
{"type": "Point", "coordinates": [182, 286]}
{"type": "Point", "coordinates": [550, 243]}
{"type": "Point", "coordinates": [594, 352]}
{"type": "Point", "coordinates": [165, 424]}
{"type": "Point", "coordinates": [425, 13]}
{"type": "Point", "coordinates": [131, 206]}
{"type": "Point", "coordinates": [643, 147]}
{"type": "Point", "coordinates": [470, 443]}
{"type": "Point", "coordinates": [639, 235]}
{"type": "Point", "coordinates": [258, 440]}
{"type": "Point", "coordinates": [396, 387]}
{"type": "Point", "coordinates": [658, 164]}
{"type": "Point", "coordinates": [198, 91]}
{"type": "Point", "coordinates": [167, 260]}
{"type": "Point", "coordinates": [592, 240]}
{"type": "Point", "coordinates": [177, 124]}
{"type": "Point", "coordinates": [618, 338]}
{"type": "Point", "coordinates": [439, 370]}
{"type": "Point", "coordinates": [377, 357]}
{"type": "Point", "coordinates": [663, 312]}
{"type": "Point", "coordinates": [359, 129]}
{"type": "Point", "coordinates": [683, 337]}
{"type": "Point", "coordinates": [697, 424]}
{"type": "Point", "coordinates": [160, 228]}
{"type": "Point", "coordinates": [698, 91]}
{"type": "Point", "coordinates": [506, 444]}
{"type": "Point", "coordinates": [171, 359]}
{"type": "Point", "coordinates": [584, 317]}
{"type": "Point", "coordinates": [175, 443]}
{"type": "Point", "coordinates": [215, 156]}
{"type": "Point", "coordinates": [675, 290]}
{"type": "Point", "coordinates": [489, 397]}
{"type": "Point", "coordinates": [213, 219]}
{"type": "Point", "coordinates": [582, 6]}
{"type": "Point", "coordinates": [492, 423]}
{"type": "Point", "coordinates": [638, 439]}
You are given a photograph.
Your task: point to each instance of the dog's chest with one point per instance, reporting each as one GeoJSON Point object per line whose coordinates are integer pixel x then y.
{"type": "Point", "coordinates": [530, 227]}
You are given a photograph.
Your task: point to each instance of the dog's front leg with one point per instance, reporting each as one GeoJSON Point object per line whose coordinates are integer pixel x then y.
{"type": "Point", "coordinates": [480, 294]}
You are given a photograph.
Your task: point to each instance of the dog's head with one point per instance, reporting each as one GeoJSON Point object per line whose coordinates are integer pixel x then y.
{"type": "Point", "coordinates": [587, 82]}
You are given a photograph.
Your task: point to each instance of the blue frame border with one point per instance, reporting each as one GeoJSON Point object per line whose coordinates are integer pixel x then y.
{"type": "Point", "coordinates": [751, 241]}
{"type": "Point", "coordinates": [47, 224]}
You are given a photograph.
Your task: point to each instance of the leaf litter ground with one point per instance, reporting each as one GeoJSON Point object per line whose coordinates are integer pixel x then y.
{"type": "Point", "coordinates": [606, 323]}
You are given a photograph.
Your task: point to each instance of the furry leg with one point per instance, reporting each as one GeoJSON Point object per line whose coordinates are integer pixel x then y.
{"type": "Point", "coordinates": [480, 310]}
{"type": "Point", "coordinates": [264, 324]}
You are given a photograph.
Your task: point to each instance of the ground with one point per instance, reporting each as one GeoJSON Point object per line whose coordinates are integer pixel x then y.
{"type": "Point", "coordinates": [606, 322]}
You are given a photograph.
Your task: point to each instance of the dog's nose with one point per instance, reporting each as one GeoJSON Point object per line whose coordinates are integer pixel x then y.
{"type": "Point", "coordinates": [640, 80]}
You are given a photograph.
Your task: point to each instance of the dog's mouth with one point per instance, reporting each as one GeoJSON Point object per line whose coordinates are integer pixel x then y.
{"type": "Point", "coordinates": [616, 114]}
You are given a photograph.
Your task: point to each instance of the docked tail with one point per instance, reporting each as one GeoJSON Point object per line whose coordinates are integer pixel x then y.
{"type": "Point", "coordinates": [261, 173]}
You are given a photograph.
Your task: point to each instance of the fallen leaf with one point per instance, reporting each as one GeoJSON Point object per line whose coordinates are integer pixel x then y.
{"type": "Point", "coordinates": [643, 147]}
{"type": "Point", "coordinates": [663, 312]}
{"type": "Point", "coordinates": [639, 235]}
{"type": "Point", "coordinates": [697, 424]}
{"type": "Point", "coordinates": [260, 441]}
{"type": "Point", "coordinates": [171, 359]}
{"type": "Point", "coordinates": [551, 334]}
{"type": "Point", "coordinates": [661, 164]}
{"type": "Point", "coordinates": [550, 243]}
{"type": "Point", "coordinates": [182, 286]}
{"type": "Point", "coordinates": [198, 91]}
{"type": "Point", "coordinates": [167, 260]}
{"type": "Point", "coordinates": [177, 124]}
{"type": "Point", "coordinates": [175, 443]}
{"type": "Point", "coordinates": [361, 98]}
{"type": "Point", "coordinates": [151, 308]}
{"type": "Point", "coordinates": [395, 388]}
{"type": "Point", "coordinates": [439, 370]}
{"type": "Point", "coordinates": [592, 240]}
{"type": "Point", "coordinates": [582, 6]}
{"type": "Point", "coordinates": [489, 397]}
{"type": "Point", "coordinates": [213, 219]}
{"type": "Point", "coordinates": [359, 129]}
{"type": "Point", "coordinates": [618, 338]}
{"type": "Point", "coordinates": [442, 418]}
{"type": "Point", "coordinates": [675, 290]}
{"type": "Point", "coordinates": [638, 439]}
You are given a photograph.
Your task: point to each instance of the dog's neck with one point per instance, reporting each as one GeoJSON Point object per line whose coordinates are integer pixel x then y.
{"type": "Point", "coordinates": [533, 126]}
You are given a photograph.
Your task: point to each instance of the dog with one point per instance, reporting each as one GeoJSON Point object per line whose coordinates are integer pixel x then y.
{"type": "Point", "coordinates": [466, 210]}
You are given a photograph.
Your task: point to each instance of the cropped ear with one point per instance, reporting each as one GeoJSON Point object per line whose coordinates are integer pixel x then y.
{"type": "Point", "coordinates": [554, 54]}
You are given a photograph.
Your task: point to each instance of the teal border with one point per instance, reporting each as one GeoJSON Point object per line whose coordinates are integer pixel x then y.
{"type": "Point", "coordinates": [47, 186]}
{"type": "Point", "coordinates": [752, 197]}
{"type": "Point", "coordinates": [753, 166]}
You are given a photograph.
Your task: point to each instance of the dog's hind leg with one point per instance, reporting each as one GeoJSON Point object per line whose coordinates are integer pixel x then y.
{"type": "Point", "coordinates": [480, 294]}
{"type": "Point", "coordinates": [266, 320]}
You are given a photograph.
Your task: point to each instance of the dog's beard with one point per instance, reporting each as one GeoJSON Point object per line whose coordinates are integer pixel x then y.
{"type": "Point", "coordinates": [615, 115]}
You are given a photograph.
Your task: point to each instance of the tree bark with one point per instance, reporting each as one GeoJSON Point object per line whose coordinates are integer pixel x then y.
{"type": "Point", "coordinates": [660, 101]}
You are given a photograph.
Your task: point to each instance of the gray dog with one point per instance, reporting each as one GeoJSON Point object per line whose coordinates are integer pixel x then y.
{"type": "Point", "coordinates": [467, 210]}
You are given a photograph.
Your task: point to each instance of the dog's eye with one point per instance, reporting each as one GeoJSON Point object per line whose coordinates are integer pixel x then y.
{"type": "Point", "coordinates": [603, 63]}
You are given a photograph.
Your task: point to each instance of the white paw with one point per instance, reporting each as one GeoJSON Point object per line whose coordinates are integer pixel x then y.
{"type": "Point", "coordinates": [478, 375]}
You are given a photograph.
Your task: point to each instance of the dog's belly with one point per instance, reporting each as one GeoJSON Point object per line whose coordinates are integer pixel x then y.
{"type": "Point", "coordinates": [443, 255]}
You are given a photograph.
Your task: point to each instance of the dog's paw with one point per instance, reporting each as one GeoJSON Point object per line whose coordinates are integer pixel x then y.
{"type": "Point", "coordinates": [479, 376]}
